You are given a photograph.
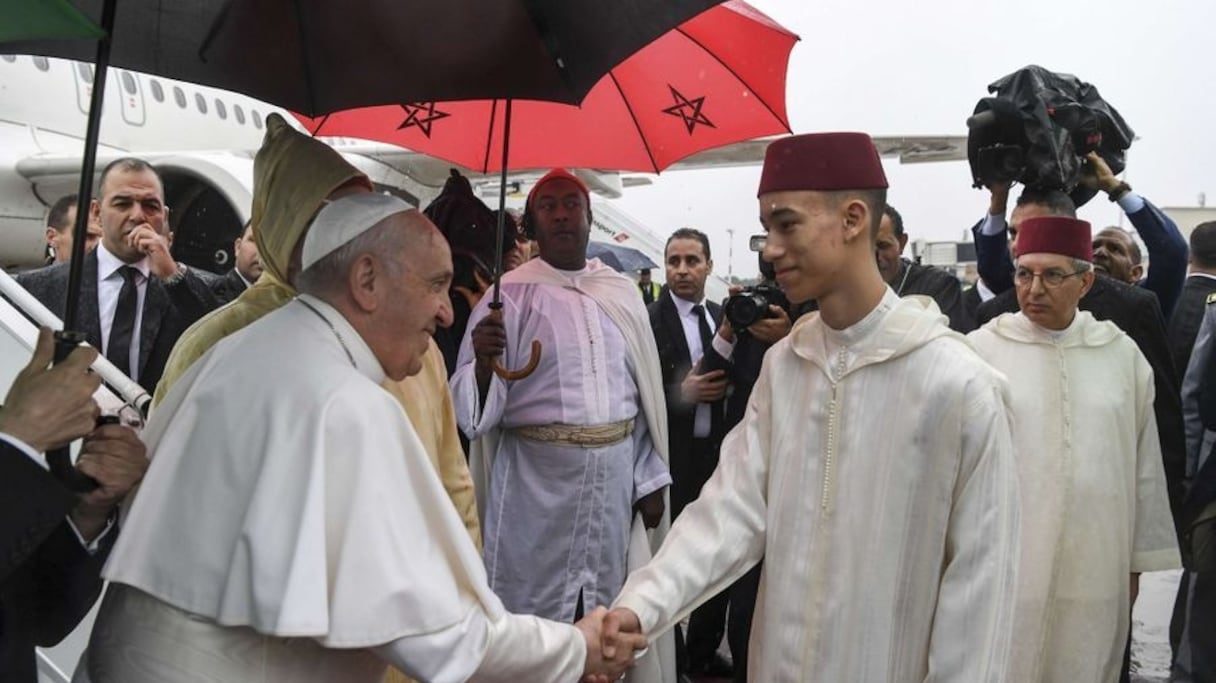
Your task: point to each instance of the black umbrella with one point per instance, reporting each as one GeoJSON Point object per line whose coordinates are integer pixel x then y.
{"type": "Point", "coordinates": [320, 56]}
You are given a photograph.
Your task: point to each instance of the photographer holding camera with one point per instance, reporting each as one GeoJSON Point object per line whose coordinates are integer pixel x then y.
{"type": "Point", "coordinates": [1116, 254]}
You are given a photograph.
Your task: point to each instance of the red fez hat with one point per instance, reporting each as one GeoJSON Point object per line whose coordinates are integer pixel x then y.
{"type": "Point", "coordinates": [1056, 235]}
{"type": "Point", "coordinates": [822, 161]}
{"type": "Point", "coordinates": [560, 174]}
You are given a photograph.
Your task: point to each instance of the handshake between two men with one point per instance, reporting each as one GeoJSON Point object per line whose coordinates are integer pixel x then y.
{"type": "Point", "coordinates": [613, 639]}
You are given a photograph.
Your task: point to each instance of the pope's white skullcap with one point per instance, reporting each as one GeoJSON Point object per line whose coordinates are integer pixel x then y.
{"type": "Point", "coordinates": [342, 220]}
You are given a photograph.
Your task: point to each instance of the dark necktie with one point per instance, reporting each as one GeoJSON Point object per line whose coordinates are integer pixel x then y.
{"type": "Point", "coordinates": [118, 351]}
{"type": "Point", "coordinates": [707, 335]}
{"type": "Point", "coordinates": [707, 340]}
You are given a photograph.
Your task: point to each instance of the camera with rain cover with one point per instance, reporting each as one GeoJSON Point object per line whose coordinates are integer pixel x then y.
{"type": "Point", "coordinates": [1037, 128]}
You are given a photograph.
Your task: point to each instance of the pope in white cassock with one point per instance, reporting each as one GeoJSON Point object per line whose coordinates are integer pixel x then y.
{"type": "Point", "coordinates": [873, 471]}
{"type": "Point", "coordinates": [283, 537]}
{"type": "Point", "coordinates": [575, 446]}
{"type": "Point", "coordinates": [1089, 462]}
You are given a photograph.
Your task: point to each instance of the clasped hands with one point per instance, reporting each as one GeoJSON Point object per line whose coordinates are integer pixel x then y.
{"type": "Point", "coordinates": [613, 638]}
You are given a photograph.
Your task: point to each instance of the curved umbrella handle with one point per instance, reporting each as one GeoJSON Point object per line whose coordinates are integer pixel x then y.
{"type": "Point", "coordinates": [527, 369]}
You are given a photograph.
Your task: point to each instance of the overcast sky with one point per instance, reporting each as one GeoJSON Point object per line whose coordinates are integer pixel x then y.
{"type": "Point", "coordinates": [899, 68]}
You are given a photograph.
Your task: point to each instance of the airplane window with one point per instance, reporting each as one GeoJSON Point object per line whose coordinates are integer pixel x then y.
{"type": "Point", "coordinates": [240, 114]}
{"type": "Point", "coordinates": [157, 91]}
{"type": "Point", "coordinates": [85, 71]}
{"type": "Point", "coordinates": [42, 64]}
{"type": "Point", "coordinates": [221, 109]}
{"type": "Point", "coordinates": [257, 118]}
{"type": "Point", "coordinates": [201, 102]}
{"type": "Point", "coordinates": [128, 82]}
{"type": "Point", "coordinates": [9, 58]}
{"type": "Point", "coordinates": [179, 97]}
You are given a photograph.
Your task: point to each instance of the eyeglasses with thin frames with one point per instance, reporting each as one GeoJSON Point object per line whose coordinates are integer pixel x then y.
{"type": "Point", "coordinates": [1024, 277]}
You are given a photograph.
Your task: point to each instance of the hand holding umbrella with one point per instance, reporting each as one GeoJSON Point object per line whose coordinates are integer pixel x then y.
{"type": "Point", "coordinates": [490, 342]}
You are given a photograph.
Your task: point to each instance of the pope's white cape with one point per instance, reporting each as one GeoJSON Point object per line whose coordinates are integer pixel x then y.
{"type": "Point", "coordinates": [289, 493]}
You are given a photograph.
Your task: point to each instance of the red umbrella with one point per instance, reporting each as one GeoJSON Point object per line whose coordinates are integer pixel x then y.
{"type": "Point", "coordinates": [716, 79]}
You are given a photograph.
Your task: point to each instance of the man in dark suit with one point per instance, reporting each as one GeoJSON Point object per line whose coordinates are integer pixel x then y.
{"type": "Point", "coordinates": [246, 269]}
{"type": "Point", "coordinates": [52, 542]}
{"type": "Point", "coordinates": [1184, 322]}
{"type": "Point", "coordinates": [135, 300]}
{"type": "Point", "coordinates": [908, 277]}
{"type": "Point", "coordinates": [684, 327]}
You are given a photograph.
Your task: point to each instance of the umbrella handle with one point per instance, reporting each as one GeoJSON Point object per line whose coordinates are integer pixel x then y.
{"type": "Point", "coordinates": [527, 369]}
{"type": "Point", "coordinates": [533, 360]}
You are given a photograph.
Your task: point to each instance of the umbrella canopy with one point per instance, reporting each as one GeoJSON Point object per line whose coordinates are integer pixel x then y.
{"type": "Point", "coordinates": [716, 79]}
{"type": "Point", "coordinates": [619, 258]}
{"type": "Point", "coordinates": [44, 19]}
{"type": "Point", "coordinates": [320, 56]}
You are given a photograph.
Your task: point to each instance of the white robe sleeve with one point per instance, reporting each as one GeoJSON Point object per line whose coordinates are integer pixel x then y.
{"type": "Point", "coordinates": [695, 563]}
{"type": "Point", "coordinates": [650, 473]}
{"type": "Point", "coordinates": [973, 621]}
{"type": "Point", "coordinates": [480, 650]}
{"type": "Point", "coordinates": [1154, 545]}
{"type": "Point", "coordinates": [474, 417]}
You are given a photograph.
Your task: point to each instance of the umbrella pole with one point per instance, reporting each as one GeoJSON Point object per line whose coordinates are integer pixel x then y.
{"type": "Point", "coordinates": [59, 460]}
{"type": "Point", "coordinates": [496, 300]}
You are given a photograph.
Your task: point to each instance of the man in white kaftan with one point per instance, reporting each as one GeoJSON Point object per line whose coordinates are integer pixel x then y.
{"type": "Point", "coordinates": [1089, 462]}
{"type": "Point", "coordinates": [873, 471]}
{"type": "Point", "coordinates": [334, 548]}
{"type": "Point", "coordinates": [558, 514]}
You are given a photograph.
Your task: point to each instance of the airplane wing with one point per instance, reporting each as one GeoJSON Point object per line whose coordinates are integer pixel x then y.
{"type": "Point", "coordinates": [909, 149]}
{"type": "Point", "coordinates": [432, 172]}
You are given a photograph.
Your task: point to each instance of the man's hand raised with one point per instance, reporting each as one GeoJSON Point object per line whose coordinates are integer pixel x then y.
{"type": "Point", "coordinates": [998, 200]}
{"type": "Point", "coordinates": [1097, 174]}
{"type": "Point", "coordinates": [155, 246]}
{"type": "Point", "coordinates": [48, 407]}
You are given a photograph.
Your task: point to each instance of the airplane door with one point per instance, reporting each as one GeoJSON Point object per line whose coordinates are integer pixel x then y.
{"type": "Point", "coordinates": [132, 98]}
{"type": "Point", "coordinates": [84, 86]}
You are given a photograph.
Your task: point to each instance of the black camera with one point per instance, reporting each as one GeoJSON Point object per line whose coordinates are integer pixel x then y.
{"type": "Point", "coordinates": [1037, 129]}
{"type": "Point", "coordinates": [751, 305]}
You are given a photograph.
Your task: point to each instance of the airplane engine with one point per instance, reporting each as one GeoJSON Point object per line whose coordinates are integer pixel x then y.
{"type": "Point", "coordinates": [209, 202]}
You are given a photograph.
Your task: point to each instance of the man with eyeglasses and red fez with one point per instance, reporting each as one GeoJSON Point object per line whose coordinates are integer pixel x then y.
{"type": "Point", "coordinates": [1095, 512]}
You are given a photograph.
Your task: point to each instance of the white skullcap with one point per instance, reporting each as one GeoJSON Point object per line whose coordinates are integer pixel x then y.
{"type": "Point", "coordinates": [342, 220]}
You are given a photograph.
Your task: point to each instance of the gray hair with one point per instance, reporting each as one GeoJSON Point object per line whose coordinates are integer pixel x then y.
{"type": "Point", "coordinates": [385, 241]}
{"type": "Point", "coordinates": [1082, 266]}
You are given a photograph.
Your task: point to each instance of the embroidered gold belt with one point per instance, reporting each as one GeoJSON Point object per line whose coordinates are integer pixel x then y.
{"type": "Point", "coordinates": [583, 436]}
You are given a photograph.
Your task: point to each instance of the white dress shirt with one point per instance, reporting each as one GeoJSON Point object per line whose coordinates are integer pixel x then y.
{"type": "Point", "coordinates": [703, 422]}
{"type": "Point", "coordinates": [109, 284]}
